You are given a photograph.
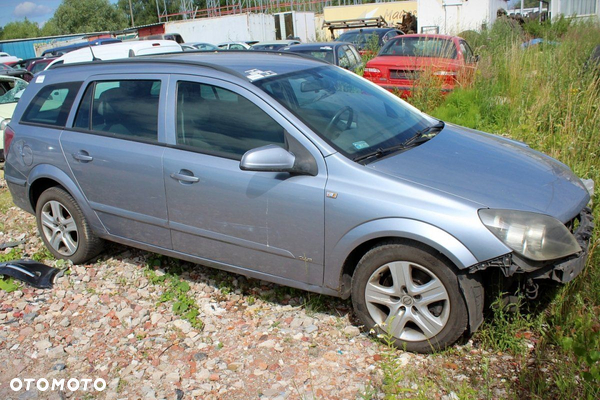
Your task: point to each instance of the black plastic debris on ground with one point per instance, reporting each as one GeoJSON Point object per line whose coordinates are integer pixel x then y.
{"type": "Point", "coordinates": [31, 272]}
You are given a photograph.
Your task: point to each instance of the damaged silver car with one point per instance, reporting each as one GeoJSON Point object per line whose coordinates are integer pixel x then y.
{"type": "Point", "coordinates": [291, 170]}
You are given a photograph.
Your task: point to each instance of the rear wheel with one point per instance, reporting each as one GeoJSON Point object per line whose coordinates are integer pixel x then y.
{"type": "Point", "coordinates": [411, 295]}
{"type": "Point", "coordinates": [63, 227]}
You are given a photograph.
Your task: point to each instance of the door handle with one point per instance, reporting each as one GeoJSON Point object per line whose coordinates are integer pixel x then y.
{"type": "Point", "coordinates": [83, 156]}
{"type": "Point", "coordinates": [185, 176]}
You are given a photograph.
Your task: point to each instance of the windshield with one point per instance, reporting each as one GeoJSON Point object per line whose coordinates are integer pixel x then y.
{"type": "Point", "coordinates": [353, 115]}
{"type": "Point", "coordinates": [11, 90]}
{"type": "Point", "coordinates": [420, 47]}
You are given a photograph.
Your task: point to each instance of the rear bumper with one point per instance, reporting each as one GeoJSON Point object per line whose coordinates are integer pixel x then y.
{"type": "Point", "coordinates": [566, 270]}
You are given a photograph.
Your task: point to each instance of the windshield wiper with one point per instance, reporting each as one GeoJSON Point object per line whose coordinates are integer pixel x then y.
{"type": "Point", "coordinates": [415, 139]}
{"type": "Point", "coordinates": [421, 133]}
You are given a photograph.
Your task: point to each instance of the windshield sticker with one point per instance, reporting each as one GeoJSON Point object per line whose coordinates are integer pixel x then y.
{"type": "Point", "coordinates": [360, 145]}
{"type": "Point", "coordinates": [254, 74]}
{"type": "Point", "coordinates": [326, 48]}
{"type": "Point", "coordinates": [40, 79]}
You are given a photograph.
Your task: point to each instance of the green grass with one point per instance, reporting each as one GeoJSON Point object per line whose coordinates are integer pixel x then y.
{"type": "Point", "coordinates": [175, 289]}
{"type": "Point", "coordinates": [547, 98]}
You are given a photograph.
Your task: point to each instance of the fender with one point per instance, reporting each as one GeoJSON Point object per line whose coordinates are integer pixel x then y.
{"type": "Point", "coordinates": [404, 228]}
{"type": "Point", "coordinates": [56, 174]}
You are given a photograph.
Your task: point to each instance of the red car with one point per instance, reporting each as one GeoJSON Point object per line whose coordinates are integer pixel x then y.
{"type": "Point", "coordinates": [404, 59]}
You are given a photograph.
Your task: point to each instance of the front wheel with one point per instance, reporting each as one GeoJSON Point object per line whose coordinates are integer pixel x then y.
{"type": "Point", "coordinates": [63, 227]}
{"type": "Point", "coordinates": [411, 295]}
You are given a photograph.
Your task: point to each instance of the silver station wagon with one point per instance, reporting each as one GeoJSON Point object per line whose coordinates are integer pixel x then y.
{"type": "Point", "coordinates": [291, 170]}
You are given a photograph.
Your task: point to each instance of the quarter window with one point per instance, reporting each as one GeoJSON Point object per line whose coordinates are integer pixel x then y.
{"type": "Point", "coordinates": [52, 104]}
{"type": "Point", "coordinates": [217, 121]}
{"type": "Point", "coordinates": [126, 108]}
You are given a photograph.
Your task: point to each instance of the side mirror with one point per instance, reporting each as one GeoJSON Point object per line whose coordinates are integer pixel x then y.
{"type": "Point", "coordinates": [269, 158]}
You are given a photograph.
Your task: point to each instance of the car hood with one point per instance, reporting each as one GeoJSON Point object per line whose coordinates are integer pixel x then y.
{"type": "Point", "coordinates": [490, 170]}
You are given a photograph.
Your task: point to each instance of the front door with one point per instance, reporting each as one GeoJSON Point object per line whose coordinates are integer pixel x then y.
{"type": "Point", "coordinates": [272, 223]}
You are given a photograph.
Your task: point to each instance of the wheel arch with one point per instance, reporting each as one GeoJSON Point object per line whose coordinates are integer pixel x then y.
{"type": "Point", "coordinates": [340, 265]}
{"type": "Point", "coordinates": [45, 176]}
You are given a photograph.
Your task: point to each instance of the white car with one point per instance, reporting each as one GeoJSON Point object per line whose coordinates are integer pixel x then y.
{"type": "Point", "coordinates": [118, 50]}
{"type": "Point", "coordinates": [234, 46]}
{"type": "Point", "coordinates": [7, 58]}
{"type": "Point", "coordinates": [11, 89]}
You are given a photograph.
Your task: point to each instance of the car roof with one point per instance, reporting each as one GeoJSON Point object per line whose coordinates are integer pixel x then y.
{"type": "Point", "coordinates": [318, 45]}
{"type": "Point", "coordinates": [275, 42]}
{"type": "Point", "coordinates": [429, 36]}
{"type": "Point", "coordinates": [249, 66]}
{"type": "Point", "coordinates": [371, 30]}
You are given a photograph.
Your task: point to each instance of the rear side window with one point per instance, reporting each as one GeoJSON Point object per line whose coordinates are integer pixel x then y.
{"type": "Point", "coordinates": [52, 104]}
{"type": "Point", "coordinates": [127, 108]}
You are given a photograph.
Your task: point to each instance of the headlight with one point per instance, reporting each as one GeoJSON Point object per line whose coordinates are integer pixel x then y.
{"type": "Point", "coordinates": [3, 123]}
{"type": "Point", "coordinates": [535, 236]}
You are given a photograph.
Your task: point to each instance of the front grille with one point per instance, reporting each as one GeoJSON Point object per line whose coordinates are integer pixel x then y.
{"type": "Point", "coordinates": [404, 74]}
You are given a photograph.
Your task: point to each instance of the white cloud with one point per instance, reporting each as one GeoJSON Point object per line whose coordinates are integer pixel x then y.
{"type": "Point", "coordinates": [29, 10]}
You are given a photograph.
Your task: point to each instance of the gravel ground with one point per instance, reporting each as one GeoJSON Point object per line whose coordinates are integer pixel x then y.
{"type": "Point", "coordinates": [258, 340]}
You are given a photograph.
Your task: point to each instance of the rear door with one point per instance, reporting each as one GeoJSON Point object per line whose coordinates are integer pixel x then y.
{"type": "Point", "coordinates": [268, 222]}
{"type": "Point", "coordinates": [115, 150]}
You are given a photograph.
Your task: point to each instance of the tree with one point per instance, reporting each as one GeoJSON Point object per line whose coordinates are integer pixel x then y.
{"type": "Point", "coordinates": [80, 16]}
{"type": "Point", "coordinates": [20, 30]}
{"type": "Point", "coordinates": [144, 11]}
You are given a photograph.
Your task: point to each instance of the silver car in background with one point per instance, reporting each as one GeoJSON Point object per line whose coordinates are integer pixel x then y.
{"type": "Point", "coordinates": [294, 171]}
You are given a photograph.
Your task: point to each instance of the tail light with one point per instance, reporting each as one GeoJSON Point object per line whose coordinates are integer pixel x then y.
{"type": "Point", "coordinates": [450, 77]}
{"type": "Point", "coordinates": [372, 73]}
{"type": "Point", "coordinates": [9, 134]}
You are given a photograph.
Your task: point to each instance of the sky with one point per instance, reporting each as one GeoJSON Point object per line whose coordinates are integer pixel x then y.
{"type": "Point", "coordinates": [38, 11]}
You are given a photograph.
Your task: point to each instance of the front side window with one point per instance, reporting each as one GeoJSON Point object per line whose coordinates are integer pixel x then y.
{"type": "Point", "coordinates": [353, 115]}
{"type": "Point", "coordinates": [420, 47]}
{"type": "Point", "coordinates": [219, 122]}
{"type": "Point", "coordinates": [127, 108]}
{"type": "Point", "coordinates": [52, 104]}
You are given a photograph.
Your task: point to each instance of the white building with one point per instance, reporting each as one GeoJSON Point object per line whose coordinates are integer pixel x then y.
{"type": "Point", "coordinates": [455, 16]}
{"type": "Point", "coordinates": [243, 27]}
{"type": "Point", "coordinates": [580, 8]}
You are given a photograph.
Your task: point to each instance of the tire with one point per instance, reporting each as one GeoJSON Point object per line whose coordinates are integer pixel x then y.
{"type": "Point", "coordinates": [411, 295]}
{"type": "Point", "coordinates": [64, 229]}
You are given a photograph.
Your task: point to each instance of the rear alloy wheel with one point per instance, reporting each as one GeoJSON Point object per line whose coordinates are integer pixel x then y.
{"type": "Point", "coordinates": [410, 295]}
{"type": "Point", "coordinates": [63, 227]}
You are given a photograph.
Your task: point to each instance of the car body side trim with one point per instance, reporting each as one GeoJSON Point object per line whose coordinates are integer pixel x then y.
{"type": "Point", "coordinates": [147, 219]}
{"type": "Point", "coordinates": [231, 240]}
{"type": "Point", "coordinates": [224, 266]}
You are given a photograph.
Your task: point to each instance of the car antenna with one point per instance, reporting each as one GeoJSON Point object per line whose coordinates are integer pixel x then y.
{"type": "Point", "coordinates": [94, 58]}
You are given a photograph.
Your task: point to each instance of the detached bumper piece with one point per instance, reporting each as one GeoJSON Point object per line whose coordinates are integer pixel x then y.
{"type": "Point", "coordinates": [566, 270]}
{"type": "Point", "coordinates": [33, 273]}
